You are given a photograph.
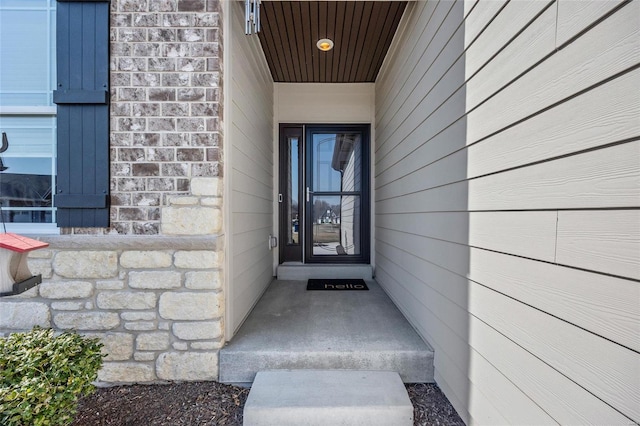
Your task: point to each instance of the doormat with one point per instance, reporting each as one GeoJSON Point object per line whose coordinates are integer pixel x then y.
{"type": "Point", "coordinates": [353, 284]}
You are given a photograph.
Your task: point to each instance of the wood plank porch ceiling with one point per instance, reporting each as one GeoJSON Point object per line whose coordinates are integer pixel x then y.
{"type": "Point", "coordinates": [362, 32]}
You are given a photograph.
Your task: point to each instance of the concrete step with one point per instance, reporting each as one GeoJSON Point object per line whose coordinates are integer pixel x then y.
{"type": "Point", "coordinates": [240, 367]}
{"type": "Point", "coordinates": [294, 329]}
{"type": "Point", "coordinates": [291, 271]}
{"type": "Point", "coordinates": [327, 397]}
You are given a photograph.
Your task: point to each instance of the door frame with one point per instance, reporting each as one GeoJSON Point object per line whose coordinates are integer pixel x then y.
{"type": "Point", "coordinates": [286, 251]}
{"type": "Point", "coordinates": [304, 171]}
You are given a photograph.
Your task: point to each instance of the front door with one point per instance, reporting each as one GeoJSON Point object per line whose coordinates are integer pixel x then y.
{"type": "Point", "coordinates": [324, 193]}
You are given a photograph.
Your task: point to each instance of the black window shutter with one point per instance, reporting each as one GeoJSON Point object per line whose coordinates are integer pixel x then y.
{"type": "Point", "coordinates": [82, 96]}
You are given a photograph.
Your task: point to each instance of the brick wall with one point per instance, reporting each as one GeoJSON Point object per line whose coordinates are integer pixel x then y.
{"type": "Point", "coordinates": [166, 107]}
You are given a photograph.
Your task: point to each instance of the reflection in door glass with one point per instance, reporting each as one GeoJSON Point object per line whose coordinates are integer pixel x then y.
{"type": "Point", "coordinates": [336, 225]}
{"type": "Point", "coordinates": [337, 162]}
{"type": "Point", "coordinates": [293, 215]}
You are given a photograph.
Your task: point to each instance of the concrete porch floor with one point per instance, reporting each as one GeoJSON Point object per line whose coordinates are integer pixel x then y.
{"type": "Point", "coordinates": [292, 328]}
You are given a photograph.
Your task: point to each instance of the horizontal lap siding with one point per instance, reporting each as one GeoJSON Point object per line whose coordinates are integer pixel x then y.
{"type": "Point", "coordinates": [251, 171]}
{"type": "Point", "coordinates": [604, 241]}
{"type": "Point", "coordinates": [506, 199]}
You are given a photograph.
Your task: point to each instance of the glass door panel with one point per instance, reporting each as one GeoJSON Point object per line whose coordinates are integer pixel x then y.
{"type": "Point", "coordinates": [293, 218]}
{"type": "Point", "coordinates": [336, 225]}
{"type": "Point", "coordinates": [337, 162]}
{"type": "Point", "coordinates": [336, 172]}
{"type": "Point", "coordinates": [289, 194]}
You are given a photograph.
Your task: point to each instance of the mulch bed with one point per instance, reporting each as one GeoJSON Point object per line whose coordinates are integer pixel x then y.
{"type": "Point", "coordinates": [210, 403]}
{"type": "Point", "coordinates": [431, 407]}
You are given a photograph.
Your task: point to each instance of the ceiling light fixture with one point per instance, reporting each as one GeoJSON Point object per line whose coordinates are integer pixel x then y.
{"type": "Point", "coordinates": [325, 44]}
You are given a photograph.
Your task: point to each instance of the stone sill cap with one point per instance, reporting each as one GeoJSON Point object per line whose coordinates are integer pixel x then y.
{"type": "Point", "coordinates": [129, 242]}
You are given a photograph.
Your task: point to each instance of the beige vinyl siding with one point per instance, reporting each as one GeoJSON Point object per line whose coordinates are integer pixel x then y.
{"type": "Point", "coordinates": [249, 157]}
{"type": "Point", "coordinates": [507, 196]}
{"type": "Point", "coordinates": [324, 103]}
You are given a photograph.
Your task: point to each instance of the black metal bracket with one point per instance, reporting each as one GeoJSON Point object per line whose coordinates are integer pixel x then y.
{"type": "Point", "coordinates": [23, 286]}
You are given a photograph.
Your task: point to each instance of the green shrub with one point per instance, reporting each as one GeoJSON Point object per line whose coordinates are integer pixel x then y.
{"type": "Point", "coordinates": [43, 375]}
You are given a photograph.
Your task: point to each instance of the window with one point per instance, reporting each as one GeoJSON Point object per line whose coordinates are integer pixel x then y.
{"type": "Point", "coordinates": [54, 109]}
{"type": "Point", "coordinates": [28, 114]}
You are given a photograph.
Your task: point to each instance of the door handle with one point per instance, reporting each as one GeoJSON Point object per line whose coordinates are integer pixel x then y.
{"type": "Point", "coordinates": [308, 192]}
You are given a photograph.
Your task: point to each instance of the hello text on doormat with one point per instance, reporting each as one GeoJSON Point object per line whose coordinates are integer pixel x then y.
{"type": "Point", "coordinates": [340, 285]}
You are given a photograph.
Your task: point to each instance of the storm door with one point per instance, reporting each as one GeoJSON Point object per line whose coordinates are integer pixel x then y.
{"type": "Point", "coordinates": [324, 200]}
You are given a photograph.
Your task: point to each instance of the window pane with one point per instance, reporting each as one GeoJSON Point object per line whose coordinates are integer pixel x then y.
{"type": "Point", "coordinates": [27, 77]}
{"type": "Point", "coordinates": [26, 182]}
{"type": "Point", "coordinates": [29, 136]}
{"type": "Point", "coordinates": [27, 170]}
{"type": "Point", "coordinates": [25, 4]}
{"type": "Point", "coordinates": [27, 37]}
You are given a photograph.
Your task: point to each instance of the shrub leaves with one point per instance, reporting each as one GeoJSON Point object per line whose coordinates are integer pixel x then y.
{"type": "Point", "coordinates": [43, 375]}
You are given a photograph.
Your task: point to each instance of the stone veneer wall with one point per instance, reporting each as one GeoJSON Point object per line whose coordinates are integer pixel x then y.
{"type": "Point", "coordinates": [157, 305]}
{"type": "Point", "coordinates": [150, 285]}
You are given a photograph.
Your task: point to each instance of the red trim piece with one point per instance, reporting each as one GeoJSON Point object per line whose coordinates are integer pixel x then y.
{"type": "Point", "coordinates": [20, 243]}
